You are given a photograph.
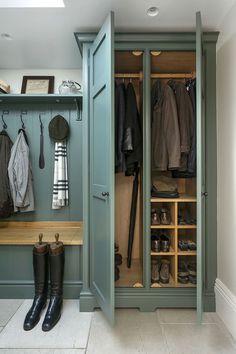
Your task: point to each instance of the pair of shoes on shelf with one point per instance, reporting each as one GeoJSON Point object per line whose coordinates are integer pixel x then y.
{"type": "Point", "coordinates": [160, 243]}
{"type": "Point", "coordinates": [187, 245]}
{"type": "Point", "coordinates": [45, 255]}
{"type": "Point", "coordinates": [187, 273]}
{"type": "Point", "coordinates": [162, 218]}
{"type": "Point", "coordinates": [160, 271]}
{"type": "Point", "coordinates": [184, 218]}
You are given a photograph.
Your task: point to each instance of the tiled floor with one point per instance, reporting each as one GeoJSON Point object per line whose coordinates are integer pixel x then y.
{"type": "Point", "coordinates": [163, 331]}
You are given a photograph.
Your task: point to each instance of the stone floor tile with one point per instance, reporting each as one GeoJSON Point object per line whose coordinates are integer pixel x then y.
{"type": "Point", "coordinates": [70, 332]}
{"type": "Point", "coordinates": [134, 332]}
{"type": "Point", "coordinates": [175, 316]}
{"type": "Point", "coordinates": [195, 339]}
{"type": "Point", "coordinates": [8, 309]}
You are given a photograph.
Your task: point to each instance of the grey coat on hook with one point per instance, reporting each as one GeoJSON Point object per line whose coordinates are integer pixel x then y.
{"type": "Point", "coordinates": [20, 175]}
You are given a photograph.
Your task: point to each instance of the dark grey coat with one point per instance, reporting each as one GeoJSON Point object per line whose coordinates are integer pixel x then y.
{"type": "Point", "coordinates": [6, 204]}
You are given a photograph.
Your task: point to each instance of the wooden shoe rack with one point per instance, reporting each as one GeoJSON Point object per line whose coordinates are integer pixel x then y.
{"type": "Point", "coordinates": [176, 232]}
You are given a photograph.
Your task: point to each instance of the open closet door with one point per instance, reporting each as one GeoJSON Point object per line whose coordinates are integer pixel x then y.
{"type": "Point", "coordinates": [201, 192]}
{"type": "Point", "coordinates": [102, 167]}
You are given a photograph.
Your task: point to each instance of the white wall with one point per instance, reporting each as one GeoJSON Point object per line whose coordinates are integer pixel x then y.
{"type": "Point", "coordinates": [226, 130]}
{"type": "Point", "coordinates": [14, 77]}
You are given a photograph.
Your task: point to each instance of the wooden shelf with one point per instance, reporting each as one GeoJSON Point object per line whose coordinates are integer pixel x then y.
{"type": "Point", "coordinates": [130, 277]}
{"type": "Point", "coordinates": [183, 198]}
{"type": "Point", "coordinates": [26, 233]}
{"type": "Point", "coordinates": [170, 253]}
{"type": "Point", "coordinates": [171, 226]}
{"type": "Point", "coordinates": [186, 226]}
{"type": "Point", "coordinates": [53, 98]}
{"type": "Point", "coordinates": [187, 253]}
{"type": "Point", "coordinates": [171, 284]}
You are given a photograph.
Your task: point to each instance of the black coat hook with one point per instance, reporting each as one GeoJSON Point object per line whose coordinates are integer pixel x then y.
{"type": "Point", "coordinates": [4, 123]}
{"type": "Point", "coordinates": [22, 122]}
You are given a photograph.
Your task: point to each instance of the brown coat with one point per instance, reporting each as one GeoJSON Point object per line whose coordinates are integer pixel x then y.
{"type": "Point", "coordinates": [165, 129]}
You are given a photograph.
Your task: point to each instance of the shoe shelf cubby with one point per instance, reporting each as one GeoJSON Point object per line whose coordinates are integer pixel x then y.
{"type": "Point", "coordinates": [182, 227]}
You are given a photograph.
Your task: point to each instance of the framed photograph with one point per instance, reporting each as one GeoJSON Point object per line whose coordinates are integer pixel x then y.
{"type": "Point", "coordinates": [37, 84]}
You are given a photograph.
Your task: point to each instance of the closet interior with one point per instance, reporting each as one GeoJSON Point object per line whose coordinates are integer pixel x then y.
{"type": "Point", "coordinates": [173, 225]}
{"type": "Point", "coordinates": [128, 276]}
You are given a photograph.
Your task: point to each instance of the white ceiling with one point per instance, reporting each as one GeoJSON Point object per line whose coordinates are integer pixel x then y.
{"type": "Point", "coordinates": [43, 37]}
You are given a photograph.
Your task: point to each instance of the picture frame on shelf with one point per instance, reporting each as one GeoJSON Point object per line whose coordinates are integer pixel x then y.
{"type": "Point", "coordinates": [37, 85]}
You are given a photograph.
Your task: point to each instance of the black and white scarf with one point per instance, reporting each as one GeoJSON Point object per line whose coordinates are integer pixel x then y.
{"type": "Point", "coordinates": [60, 183]}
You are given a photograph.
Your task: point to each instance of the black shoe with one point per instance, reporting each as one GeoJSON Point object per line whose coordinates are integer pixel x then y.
{"type": "Point", "coordinates": [165, 243]}
{"type": "Point", "coordinates": [155, 243]}
{"type": "Point", "coordinates": [40, 265]}
{"type": "Point", "coordinates": [56, 261]}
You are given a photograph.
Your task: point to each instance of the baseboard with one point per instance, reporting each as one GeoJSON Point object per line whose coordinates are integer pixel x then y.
{"type": "Point", "coordinates": [226, 306]}
{"type": "Point", "coordinates": [25, 289]}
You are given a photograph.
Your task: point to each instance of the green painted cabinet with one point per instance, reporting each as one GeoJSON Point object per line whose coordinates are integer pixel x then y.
{"type": "Point", "coordinates": [100, 196]}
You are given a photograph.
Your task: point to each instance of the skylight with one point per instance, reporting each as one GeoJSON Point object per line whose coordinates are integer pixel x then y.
{"type": "Point", "coordinates": [31, 3]}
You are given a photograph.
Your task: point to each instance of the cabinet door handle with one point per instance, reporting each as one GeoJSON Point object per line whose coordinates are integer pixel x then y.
{"type": "Point", "coordinates": [204, 194]}
{"type": "Point", "coordinates": [105, 194]}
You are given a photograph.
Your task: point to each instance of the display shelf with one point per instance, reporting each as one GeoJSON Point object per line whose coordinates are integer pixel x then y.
{"type": "Point", "coordinates": [26, 233]}
{"type": "Point", "coordinates": [130, 277]}
{"type": "Point", "coordinates": [39, 98]}
{"type": "Point", "coordinates": [183, 198]}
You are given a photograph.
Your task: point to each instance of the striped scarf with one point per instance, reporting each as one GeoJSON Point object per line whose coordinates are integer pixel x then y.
{"type": "Point", "coordinates": [60, 184]}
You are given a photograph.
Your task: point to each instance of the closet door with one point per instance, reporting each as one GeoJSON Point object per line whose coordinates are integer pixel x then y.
{"type": "Point", "coordinates": [201, 192]}
{"type": "Point", "coordinates": [102, 167]}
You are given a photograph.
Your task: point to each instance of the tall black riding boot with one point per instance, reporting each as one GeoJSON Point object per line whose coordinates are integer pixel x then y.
{"type": "Point", "coordinates": [56, 261]}
{"type": "Point", "coordinates": [40, 265]}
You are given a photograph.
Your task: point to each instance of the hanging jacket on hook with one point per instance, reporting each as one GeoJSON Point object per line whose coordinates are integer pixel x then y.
{"type": "Point", "coordinates": [20, 175]}
{"type": "Point", "coordinates": [6, 203]}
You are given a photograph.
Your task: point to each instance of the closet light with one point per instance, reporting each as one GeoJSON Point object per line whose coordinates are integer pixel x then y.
{"type": "Point", "coordinates": [155, 53]}
{"type": "Point", "coordinates": [153, 11]}
{"type": "Point", "coordinates": [137, 53]}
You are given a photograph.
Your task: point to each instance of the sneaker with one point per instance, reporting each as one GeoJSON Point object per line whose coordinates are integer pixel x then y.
{"type": "Point", "coordinates": [165, 271]}
{"type": "Point", "coordinates": [183, 273]}
{"type": "Point", "coordinates": [183, 245]}
{"type": "Point", "coordinates": [192, 246]}
{"type": "Point", "coordinates": [192, 268]}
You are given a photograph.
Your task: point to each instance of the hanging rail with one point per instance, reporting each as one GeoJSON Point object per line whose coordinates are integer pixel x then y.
{"type": "Point", "coordinates": [157, 76]}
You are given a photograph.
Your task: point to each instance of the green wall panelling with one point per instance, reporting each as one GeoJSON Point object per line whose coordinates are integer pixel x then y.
{"type": "Point", "coordinates": [16, 271]}
{"type": "Point", "coordinates": [43, 179]}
